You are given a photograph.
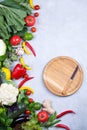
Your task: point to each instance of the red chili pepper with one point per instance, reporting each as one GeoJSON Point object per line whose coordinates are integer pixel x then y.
{"type": "Point", "coordinates": [62, 126]}
{"type": "Point", "coordinates": [23, 81]}
{"type": "Point", "coordinates": [64, 113]}
{"type": "Point", "coordinates": [31, 48]}
{"type": "Point", "coordinates": [18, 71]}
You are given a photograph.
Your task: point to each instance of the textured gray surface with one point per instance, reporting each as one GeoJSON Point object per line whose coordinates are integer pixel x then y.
{"type": "Point", "coordinates": [61, 31]}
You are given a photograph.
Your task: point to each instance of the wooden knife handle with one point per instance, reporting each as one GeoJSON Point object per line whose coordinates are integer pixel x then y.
{"type": "Point", "coordinates": [68, 84]}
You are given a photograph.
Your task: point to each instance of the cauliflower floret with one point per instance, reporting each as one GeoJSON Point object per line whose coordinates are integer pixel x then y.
{"type": "Point", "coordinates": [8, 94]}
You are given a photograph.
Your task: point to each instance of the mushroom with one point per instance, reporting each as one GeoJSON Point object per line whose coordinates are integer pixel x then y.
{"type": "Point", "coordinates": [47, 106]}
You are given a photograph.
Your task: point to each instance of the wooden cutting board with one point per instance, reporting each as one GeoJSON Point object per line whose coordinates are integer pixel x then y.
{"type": "Point", "coordinates": [57, 76]}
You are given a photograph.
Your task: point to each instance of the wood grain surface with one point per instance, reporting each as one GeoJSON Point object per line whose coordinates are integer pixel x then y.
{"type": "Point", "coordinates": [57, 73]}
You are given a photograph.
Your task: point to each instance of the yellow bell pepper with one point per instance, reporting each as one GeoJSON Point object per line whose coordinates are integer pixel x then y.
{"type": "Point", "coordinates": [7, 73]}
{"type": "Point", "coordinates": [25, 49]}
{"type": "Point", "coordinates": [26, 88]}
{"type": "Point", "coordinates": [24, 65]}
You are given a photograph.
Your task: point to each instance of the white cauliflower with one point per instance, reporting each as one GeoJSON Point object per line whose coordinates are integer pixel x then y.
{"type": "Point", "coordinates": [8, 94]}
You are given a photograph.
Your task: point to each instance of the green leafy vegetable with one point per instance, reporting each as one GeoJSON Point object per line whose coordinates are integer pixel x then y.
{"type": "Point", "coordinates": [5, 122]}
{"type": "Point", "coordinates": [52, 117]}
{"type": "Point", "coordinates": [7, 63]}
{"type": "Point", "coordinates": [11, 82]}
{"type": "Point", "coordinates": [32, 124]}
{"type": "Point", "coordinates": [2, 77]}
{"type": "Point", "coordinates": [19, 110]}
{"type": "Point", "coordinates": [12, 14]}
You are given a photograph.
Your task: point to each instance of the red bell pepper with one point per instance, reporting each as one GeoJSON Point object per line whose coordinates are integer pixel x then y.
{"type": "Point", "coordinates": [18, 71]}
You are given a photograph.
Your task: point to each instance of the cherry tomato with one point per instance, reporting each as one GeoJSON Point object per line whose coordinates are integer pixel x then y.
{"type": "Point", "coordinates": [33, 29]}
{"type": "Point", "coordinates": [31, 100]}
{"type": "Point", "coordinates": [27, 112]}
{"type": "Point", "coordinates": [28, 92]}
{"type": "Point", "coordinates": [36, 7]}
{"type": "Point", "coordinates": [15, 40]}
{"type": "Point", "coordinates": [30, 20]}
{"type": "Point", "coordinates": [42, 116]}
{"type": "Point", "coordinates": [28, 36]}
{"type": "Point", "coordinates": [36, 14]}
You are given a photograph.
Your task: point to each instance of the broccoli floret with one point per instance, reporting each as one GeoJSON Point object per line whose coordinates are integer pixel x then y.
{"type": "Point", "coordinates": [7, 63]}
{"type": "Point", "coordinates": [14, 57]}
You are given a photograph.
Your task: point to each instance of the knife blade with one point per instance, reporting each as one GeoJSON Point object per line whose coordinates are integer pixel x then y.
{"type": "Point", "coordinates": [68, 84]}
{"type": "Point", "coordinates": [74, 73]}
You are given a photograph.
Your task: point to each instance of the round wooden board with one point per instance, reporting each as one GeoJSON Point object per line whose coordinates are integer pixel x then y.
{"type": "Point", "coordinates": [57, 76]}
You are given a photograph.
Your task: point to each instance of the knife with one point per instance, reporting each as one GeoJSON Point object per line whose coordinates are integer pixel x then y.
{"type": "Point", "coordinates": [68, 84]}
{"type": "Point", "coordinates": [74, 73]}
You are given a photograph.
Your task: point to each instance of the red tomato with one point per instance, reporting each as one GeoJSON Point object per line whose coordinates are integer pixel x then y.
{"type": "Point", "coordinates": [42, 116]}
{"type": "Point", "coordinates": [30, 20]}
{"type": "Point", "coordinates": [33, 29]}
{"type": "Point", "coordinates": [28, 92]}
{"type": "Point", "coordinates": [31, 100]}
{"type": "Point", "coordinates": [36, 14]}
{"type": "Point", "coordinates": [15, 40]}
{"type": "Point", "coordinates": [36, 7]}
{"type": "Point", "coordinates": [27, 112]}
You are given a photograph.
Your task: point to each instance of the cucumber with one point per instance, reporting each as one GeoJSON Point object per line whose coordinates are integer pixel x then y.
{"type": "Point", "coordinates": [2, 50]}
